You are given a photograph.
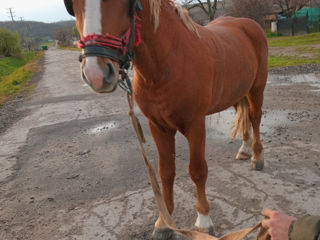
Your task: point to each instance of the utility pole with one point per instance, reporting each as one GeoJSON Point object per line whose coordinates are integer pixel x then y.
{"type": "Point", "coordinates": [23, 29]}
{"type": "Point", "coordinates": [11, 13]}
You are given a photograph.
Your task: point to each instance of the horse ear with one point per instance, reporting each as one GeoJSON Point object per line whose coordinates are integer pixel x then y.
{"type": "Point", "coordinates": [69, 6]}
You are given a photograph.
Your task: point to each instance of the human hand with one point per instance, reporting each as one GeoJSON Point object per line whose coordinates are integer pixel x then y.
{"type": "Point", "coordinates": [277, 224]}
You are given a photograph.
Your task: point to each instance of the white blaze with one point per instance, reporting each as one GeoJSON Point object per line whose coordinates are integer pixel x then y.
{"type": "Point", "coordinates": [92, 24]}
{"type": "Point", "coordinates": [92, 21]}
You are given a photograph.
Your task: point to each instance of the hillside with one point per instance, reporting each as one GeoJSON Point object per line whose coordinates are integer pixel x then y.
{"type": "Point", "coordinates": [36, 29]}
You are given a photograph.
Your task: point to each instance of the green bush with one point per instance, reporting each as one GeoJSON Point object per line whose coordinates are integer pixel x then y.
{"type": "Point", "coordinates": [9, 43]}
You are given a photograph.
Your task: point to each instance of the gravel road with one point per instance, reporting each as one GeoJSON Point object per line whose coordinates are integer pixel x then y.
{"type": "Point", "coordinates": [70, 166]}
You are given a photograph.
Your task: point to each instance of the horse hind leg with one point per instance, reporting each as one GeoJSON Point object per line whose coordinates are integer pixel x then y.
{"type": "Point", "coordinates": [249, 114]}
{"type": "Point", "coordinates": [242, 127]}
{"type": "Point", "coordinates": [255, 100]}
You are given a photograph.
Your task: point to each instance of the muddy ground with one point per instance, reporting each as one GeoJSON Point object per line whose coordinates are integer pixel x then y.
{"type": "Point", "coordinates": [70, 167]}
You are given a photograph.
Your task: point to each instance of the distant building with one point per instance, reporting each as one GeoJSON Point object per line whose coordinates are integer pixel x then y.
{"type": "Point", "coordinates": [270, 17]}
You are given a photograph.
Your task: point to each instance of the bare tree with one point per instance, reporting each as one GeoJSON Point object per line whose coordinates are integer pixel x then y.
{"type": "Point", "coordinates": [289, 7]}
{"type": "Point", "coordinates": [63, 35]}
{"type": "Point", "coordinates": [314, 3]}
{"type": "Point", "coordinates": [75, 33]}
{"type": "Point", "coordinates": [254, 9]}
{"type": "Point", "coordinates": [207, 6]}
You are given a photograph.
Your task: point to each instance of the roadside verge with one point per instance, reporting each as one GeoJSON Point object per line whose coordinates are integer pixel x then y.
{"type": "Point", "coordinates": [16, 81]}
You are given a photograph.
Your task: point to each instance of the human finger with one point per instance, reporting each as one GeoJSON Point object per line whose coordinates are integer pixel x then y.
{"type": "Point", "coordinates": [267, 212]}
{"type": "Point", "coordinates": [266, 223]}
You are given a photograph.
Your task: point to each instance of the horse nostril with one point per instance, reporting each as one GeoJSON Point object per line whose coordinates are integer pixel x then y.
{"type": "Point", "coordinates": [109, 73]}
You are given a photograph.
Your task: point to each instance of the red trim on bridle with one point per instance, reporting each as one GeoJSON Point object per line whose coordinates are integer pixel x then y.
{"type": "Point", "coordinates": [110, 41]}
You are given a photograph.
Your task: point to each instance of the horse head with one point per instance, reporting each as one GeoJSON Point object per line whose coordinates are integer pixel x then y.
{"type": "Point", "coordinates": [107, 29]}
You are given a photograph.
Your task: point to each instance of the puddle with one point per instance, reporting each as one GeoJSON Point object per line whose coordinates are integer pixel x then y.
{"type": "Point", "coordinates": [103, 128]}
{"type": "Point", "coordinates": [312, 79]}
{"type": "Point", "coordinates": [315, 90]}
{"type": "Point", "coordinates": [220, 124]}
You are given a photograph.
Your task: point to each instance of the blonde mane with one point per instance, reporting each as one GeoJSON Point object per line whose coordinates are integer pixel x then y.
{"type": "Point", "coordinates": [183, 14]}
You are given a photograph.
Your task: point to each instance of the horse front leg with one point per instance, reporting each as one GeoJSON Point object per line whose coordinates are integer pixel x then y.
{"type": "Point", "coordinates": [165, 141]}
{"type": "Point", "coordinates": [198, 170]}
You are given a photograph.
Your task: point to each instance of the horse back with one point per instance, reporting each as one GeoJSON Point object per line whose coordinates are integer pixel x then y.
{"type": "Point", "coordinates": [239, 52]}
{"type": "Point", "coordinates": [238, 29]}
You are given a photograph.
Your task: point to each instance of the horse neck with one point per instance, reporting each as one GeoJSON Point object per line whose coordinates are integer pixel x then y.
{"type": "Point", "coordinates": [157, 45]}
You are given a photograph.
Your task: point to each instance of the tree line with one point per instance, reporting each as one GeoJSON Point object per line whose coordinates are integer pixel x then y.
{"type": "Point", "coordinates": [254, 9]}
{"type": "Point", "coordinates": [32, 34]}
{"type": "Point", "coordinates": [66, 36]}
{"type": "Point", "coordinates": [66, 33]}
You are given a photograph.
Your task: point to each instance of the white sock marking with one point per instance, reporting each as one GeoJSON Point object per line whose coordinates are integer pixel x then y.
{"type": "Point", "coordinates": [203, 221]}
{"type": "Point", "coordinates": [245, 147]}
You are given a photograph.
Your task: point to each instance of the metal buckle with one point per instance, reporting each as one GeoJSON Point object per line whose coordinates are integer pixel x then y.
{"type": "Point", "coordinates": [139, 6]}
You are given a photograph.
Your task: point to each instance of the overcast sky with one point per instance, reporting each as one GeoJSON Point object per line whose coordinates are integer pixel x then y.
{"type": "Point", "coordinates": [34, 10]}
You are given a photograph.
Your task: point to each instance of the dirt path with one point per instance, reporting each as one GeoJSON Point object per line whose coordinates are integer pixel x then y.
{"type": "Point", "coordinates": [71, 168]}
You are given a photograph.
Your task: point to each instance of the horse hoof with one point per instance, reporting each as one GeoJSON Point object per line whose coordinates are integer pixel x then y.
{"type": "Point", "coordinates": [178, 236]}
{"type": "Point", "coordinates": [243, 156]}
{"type": "Point", "coordinates": [257, 165]}
{"type": "Point", "coordinates": [209, 230]}
{"type": "Point", "coordinates": [162, 234]}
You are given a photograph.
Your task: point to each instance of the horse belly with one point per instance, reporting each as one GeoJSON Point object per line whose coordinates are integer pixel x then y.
{"type": "Point", "coordinates": [236, 83]}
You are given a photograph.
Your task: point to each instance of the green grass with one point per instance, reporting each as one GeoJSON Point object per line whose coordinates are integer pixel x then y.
{"type": "Point", "coordinates": [72, 48]}
{"type": "Point", "coordinates": [272, 35]}
{"type": "Point", "coordinates": [307, 39]}
{"type": "Point", "coordinates": [10, 64]}
{"type": "Point", "coordinates": [283, 61]}
{"type": "Point", "coordinates": [308, 49]}
{"type": "Point", "coordinates": [16, 79]}
{"type": "Point", "coordinates": [302, 50]}
{"type": "Point", "coordinates": [49, 44]}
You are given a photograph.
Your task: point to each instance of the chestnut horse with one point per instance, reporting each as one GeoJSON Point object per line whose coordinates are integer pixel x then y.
{"type": "Point", "coordinates": [183, 72]}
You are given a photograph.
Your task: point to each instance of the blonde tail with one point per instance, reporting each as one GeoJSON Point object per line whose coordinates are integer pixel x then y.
{"type": "Point", "coordinates": [242, 123]}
